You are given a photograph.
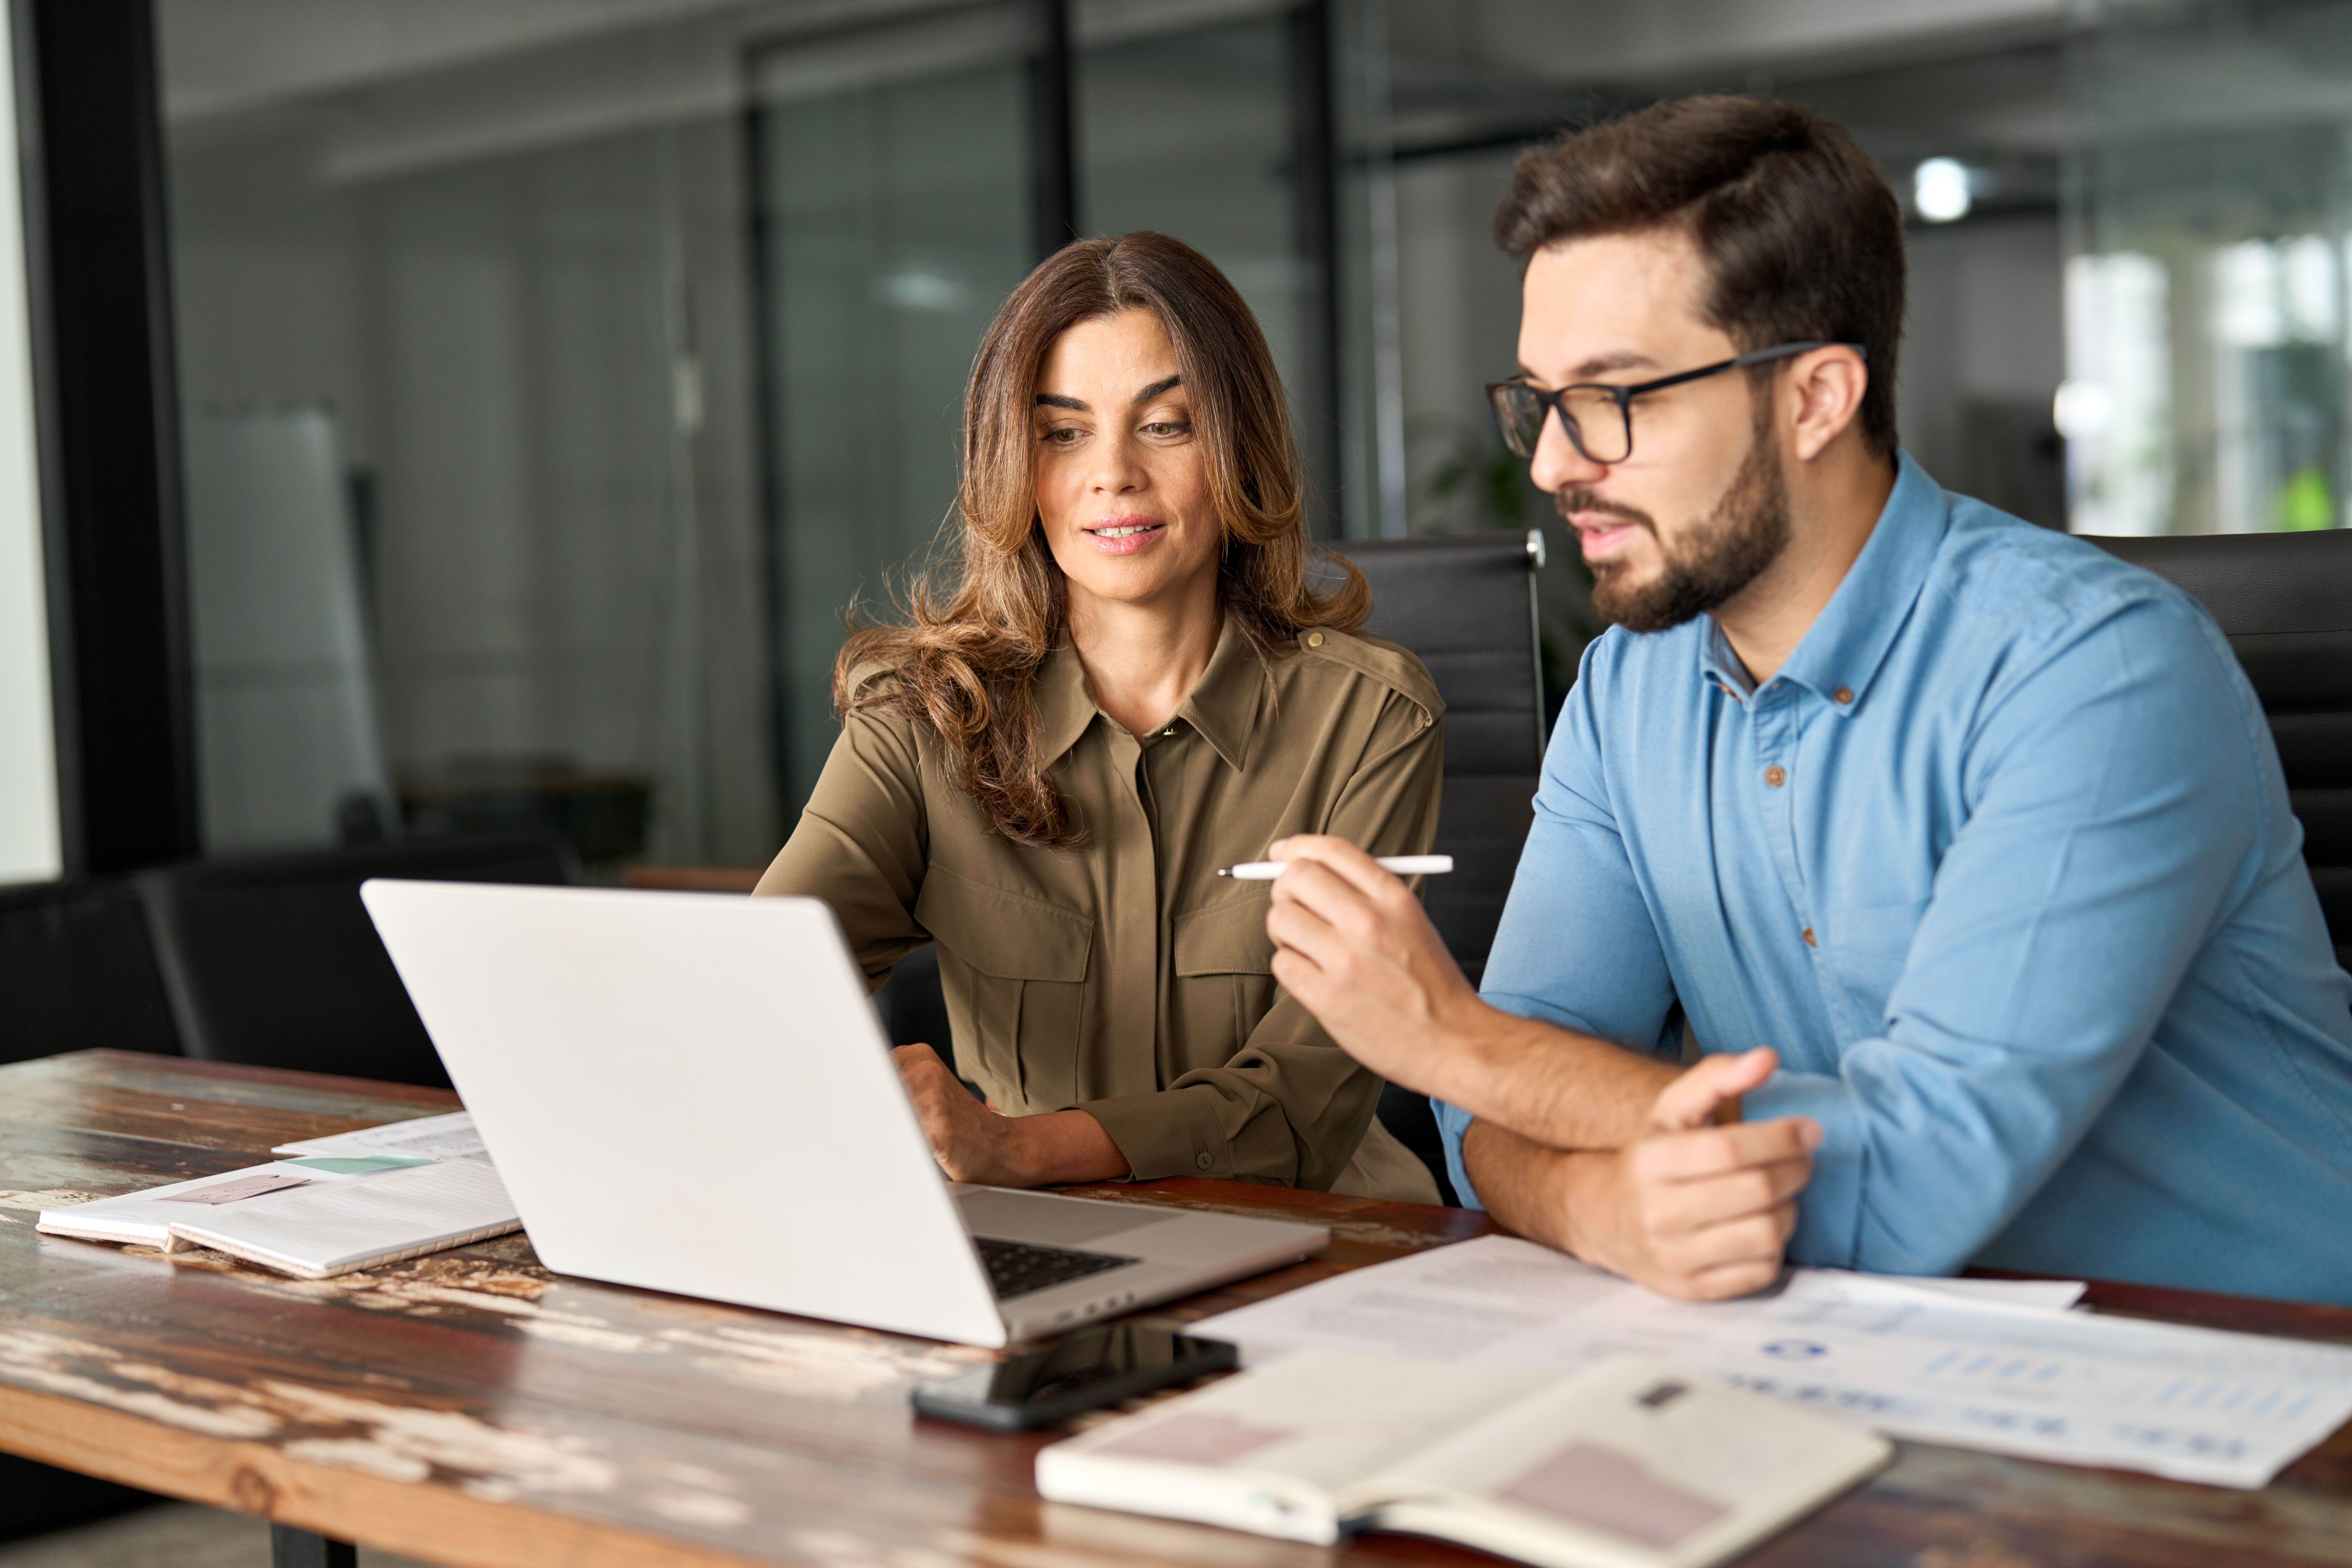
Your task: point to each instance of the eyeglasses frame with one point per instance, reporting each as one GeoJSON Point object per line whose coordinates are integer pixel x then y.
{"type": "Point", "coordinates": [1552, 402]}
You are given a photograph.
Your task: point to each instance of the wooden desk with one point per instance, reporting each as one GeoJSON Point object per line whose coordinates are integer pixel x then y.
{"type": "Point", "coordinates": [471, 1408]}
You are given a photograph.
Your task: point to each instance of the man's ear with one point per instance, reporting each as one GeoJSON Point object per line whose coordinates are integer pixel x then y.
{"type": "Point", "coordinates": [1826, 387]}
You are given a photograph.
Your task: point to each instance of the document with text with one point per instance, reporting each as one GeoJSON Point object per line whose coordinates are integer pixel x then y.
{"type": "Point", "coordinates": [447, 1137]}
{"type": "Point", "coordinates": [1985, 1366]}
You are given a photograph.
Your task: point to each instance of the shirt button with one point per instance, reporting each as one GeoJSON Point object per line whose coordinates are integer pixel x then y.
{"type": "Point", "coordinates": [1842, 695]}
{"type": "Point", "coordinates": [1776, 776]}
{"type": "Point", "coordinates": [1204, 1161]}
{"type": "Point", "coordinates": [1808, 937]}
{"type": "Point", "coordinates": [1314, 640]}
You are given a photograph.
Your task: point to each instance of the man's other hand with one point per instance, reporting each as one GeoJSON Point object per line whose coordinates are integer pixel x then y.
{"type": "Point", "coordinates": [1695, 1210]}
{"type": "Point", "coordinates": [1355, 947]}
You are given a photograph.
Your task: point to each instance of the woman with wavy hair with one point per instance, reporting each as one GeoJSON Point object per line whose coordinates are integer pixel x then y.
{"type": "Point", "coordinates": [1133, 680]}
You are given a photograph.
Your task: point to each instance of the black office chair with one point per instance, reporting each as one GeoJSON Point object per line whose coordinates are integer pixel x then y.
{"type": "Point", "coordinates": [915, 1007]}
{"type": "Point", "coordinates": [273, 962]}
{"type": "Point", "coordinates": [1466, 605]}
{"type": "Point", "coordinates": [77, 972]}
{"type": "Point", "coordinates": [2285, 600]}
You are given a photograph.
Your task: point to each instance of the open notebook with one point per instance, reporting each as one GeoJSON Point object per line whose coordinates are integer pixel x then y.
{"type": "Point", "coordinates": [1629, 1464]}
{"type": "Point", "coordinates": [312, 1217]}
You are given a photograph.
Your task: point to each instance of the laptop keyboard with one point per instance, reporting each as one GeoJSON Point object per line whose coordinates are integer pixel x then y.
{"type": "Point", "coordinates": [1019, 1268]}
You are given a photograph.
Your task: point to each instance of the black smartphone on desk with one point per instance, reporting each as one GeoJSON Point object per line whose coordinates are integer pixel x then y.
{"type": "Point", "coordinates": [1084, 1371]}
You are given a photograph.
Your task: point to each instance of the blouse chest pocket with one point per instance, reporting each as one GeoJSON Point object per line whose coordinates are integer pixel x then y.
{"type": "Point", "coordinates": [1224, 963]}
{"type": "Point", "coordinates": [1020, 964]}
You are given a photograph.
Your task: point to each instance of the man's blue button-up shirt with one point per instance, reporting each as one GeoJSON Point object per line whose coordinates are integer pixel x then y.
{"type": "Point", "coordinates": [2002, 863]}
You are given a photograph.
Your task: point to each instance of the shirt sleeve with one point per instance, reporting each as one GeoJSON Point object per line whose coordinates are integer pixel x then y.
{"type": "Point", "coordinates": [1290, 1106]}
{"type": "Point", "coordinates": [2116, 793]}
{"type": "Point", "coordinates": [1577, 945]}
{"type": "Point", "coordinates": [861, 843]}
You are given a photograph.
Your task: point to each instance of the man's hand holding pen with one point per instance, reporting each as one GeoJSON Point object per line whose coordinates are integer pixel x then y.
{"type": "Point", "coordinates": [1353, 944]}
{"type": "Point", "coordinates": [1650, 1173]}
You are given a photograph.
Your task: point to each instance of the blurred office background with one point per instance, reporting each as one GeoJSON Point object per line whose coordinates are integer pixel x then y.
{"type": "Point", "coordinates": [457, 427]}
{"type": "Point", "coordinates": [547, 376]}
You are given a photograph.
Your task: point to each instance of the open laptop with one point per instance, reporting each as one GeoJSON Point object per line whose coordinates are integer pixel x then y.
{"type": "Point", "coordinates": [692, 1093]}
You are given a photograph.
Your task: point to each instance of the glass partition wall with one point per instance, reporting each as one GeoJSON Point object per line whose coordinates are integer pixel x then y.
{"type": "Point", "coordinates": [2211, 208]}
{"type": "Point", "coordinates": [465, 368]}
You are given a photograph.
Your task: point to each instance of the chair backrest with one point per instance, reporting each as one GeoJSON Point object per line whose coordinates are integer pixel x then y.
{"type": "Point", "coordinates": [2285, 600]}
{"type": "Point", "coordinates": [273, 962]}
{"type": "Point", "coordinates": [1466, 605]}
{"type": "Point", "coordinates": [77, 972]}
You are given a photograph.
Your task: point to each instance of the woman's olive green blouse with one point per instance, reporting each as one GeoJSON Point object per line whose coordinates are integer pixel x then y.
{"type": "Point", "coordinates": [1124, 977]}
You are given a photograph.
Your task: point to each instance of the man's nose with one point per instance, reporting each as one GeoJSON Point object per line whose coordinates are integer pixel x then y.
{"type": "Point", "coordinates": [1556, 463]}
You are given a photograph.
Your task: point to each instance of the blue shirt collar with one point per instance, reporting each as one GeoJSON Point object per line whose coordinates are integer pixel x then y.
{"type": "Point", "coordinates": [1844, 648]}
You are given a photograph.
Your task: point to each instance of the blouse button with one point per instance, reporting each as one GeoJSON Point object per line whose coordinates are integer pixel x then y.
{"type": "Point", "coordinates": [1314, 640]}
{"type": "Point", "coordinates": [1842, 695]}
{"type": "Point", "coordinates": [1808, 937]}
{"type": "Point", "coordinates": [1203, 1161]}
{"type": "Point", "coordinates": [1776, 776]}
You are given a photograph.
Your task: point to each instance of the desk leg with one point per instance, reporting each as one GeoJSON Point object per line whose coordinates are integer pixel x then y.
{"type": "Point", "coordinates": [292, 1548]}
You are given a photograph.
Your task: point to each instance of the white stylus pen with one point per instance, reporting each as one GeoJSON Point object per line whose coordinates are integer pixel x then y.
{"type": "Point", "coordinates": [1402, 865]}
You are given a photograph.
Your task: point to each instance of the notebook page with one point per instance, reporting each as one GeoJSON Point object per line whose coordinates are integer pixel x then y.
{"type": "Point", "coordinates": [331, 1225]}
{"type": "Point", "coordinates": [1636, 1461]}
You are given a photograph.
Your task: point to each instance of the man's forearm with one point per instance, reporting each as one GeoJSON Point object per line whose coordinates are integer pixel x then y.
{"type": "Point", "coordinates": [1550, 1085]}
{"type": "Point", "coordinates": [1526, 1185]}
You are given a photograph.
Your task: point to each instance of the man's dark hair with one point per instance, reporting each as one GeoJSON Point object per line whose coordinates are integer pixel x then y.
{"type": "Point", "coordinates": [1800, 230]}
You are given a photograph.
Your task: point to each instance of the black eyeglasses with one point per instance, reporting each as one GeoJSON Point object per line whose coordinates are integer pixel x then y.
{"type": "Point", "coordinates": [1597, 417]}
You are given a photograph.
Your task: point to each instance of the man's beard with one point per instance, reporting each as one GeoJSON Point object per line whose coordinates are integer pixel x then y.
{"type": "Point", "coordinates": [1713, 561]}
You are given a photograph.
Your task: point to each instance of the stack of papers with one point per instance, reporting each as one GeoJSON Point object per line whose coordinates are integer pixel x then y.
{"type": "Point", "coordinates": [351, 1201]}
{"type": "Point", "coordinates": [1970, 1364]}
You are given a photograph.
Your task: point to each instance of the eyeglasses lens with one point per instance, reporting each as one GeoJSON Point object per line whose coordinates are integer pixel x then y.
{"type": "Point", "coordinates": [1594, 422]}
{"type": "Point", "coordinates": [1519, 414]}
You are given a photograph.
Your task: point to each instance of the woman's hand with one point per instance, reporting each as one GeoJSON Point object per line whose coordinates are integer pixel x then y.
{"type": "Point", "coordinates": [976, 1142]}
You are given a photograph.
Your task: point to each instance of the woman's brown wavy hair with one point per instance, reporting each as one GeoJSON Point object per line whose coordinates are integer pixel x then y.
{"type": "Point", "coordinates": [963, 660]}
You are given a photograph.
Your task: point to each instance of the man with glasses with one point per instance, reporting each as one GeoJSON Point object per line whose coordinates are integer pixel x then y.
{"type": "Point", "coordinates": [1958, 849]}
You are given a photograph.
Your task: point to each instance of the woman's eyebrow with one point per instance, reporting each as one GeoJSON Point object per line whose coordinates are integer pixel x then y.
{"type": "Point", "coordinates": [1056, 400]}
{"type": "Point", "coordinates": [1154, 390]}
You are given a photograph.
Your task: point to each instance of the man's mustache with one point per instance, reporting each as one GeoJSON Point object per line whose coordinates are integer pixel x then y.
{"type": "Point", "coordinates": [1573, 498]}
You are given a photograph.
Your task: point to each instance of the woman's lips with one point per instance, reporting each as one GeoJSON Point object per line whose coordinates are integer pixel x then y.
{"type": "Point", "coordinates": [1126, 536]}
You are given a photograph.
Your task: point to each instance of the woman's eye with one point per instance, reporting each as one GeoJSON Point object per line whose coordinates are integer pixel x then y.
{"type": "Point", "coordinates": [1066, 436]}
{"type": "Point", "coordinates": [1167, 427]}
